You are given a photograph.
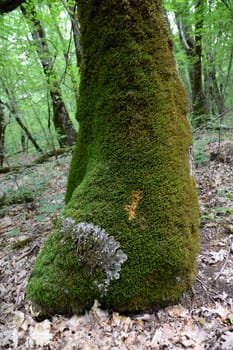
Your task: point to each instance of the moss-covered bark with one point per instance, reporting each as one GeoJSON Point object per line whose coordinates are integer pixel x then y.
{"type": "Point", "coordinates": [130, 171]}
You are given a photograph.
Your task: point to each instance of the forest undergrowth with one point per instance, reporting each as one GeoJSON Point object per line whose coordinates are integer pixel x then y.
{"type": "Point", "coordinates": [202, 320]}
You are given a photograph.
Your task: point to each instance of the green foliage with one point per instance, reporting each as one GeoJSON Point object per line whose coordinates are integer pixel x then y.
{"type": "Point", "coordinates": [197, 120]}
{"type": "Point", "coordinates": [40, 217]}
{"type": "Point", "coordinates": [19, 63]}
{"type": "Point", "coordinates": [14, 233]}
{"type": "Point", "coordinates": [201, 157]}
{"type": "Point", "coordinates": [171, 5]}
{"type": "Point", "coordinates": [216, 60]}
{"type": "Point", "coordinates": [231, 319]}
{"type": "Point", "coordinates": [50, 208]}
{"type": "Point", "coordinates": [2, 211]}
{"type": "Point", "coordinates": [223, 210]}
{"type": "Point", "coordinates": [50, 205]}
{"type": "Point", "coordinates": [18, 195]}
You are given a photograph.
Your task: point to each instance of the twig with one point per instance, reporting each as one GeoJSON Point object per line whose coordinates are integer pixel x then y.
{"type": "Point", "coordinates": [219, 332]}
{"type": "Point", "coordinates": [206, 289]}
{"type": "Point", "coordinates": [218, 117]}
{"type": "Point", "coordinates": [224, 264]}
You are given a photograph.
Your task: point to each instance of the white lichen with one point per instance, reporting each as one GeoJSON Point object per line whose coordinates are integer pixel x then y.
{"type": "Point", "coordinates": [96, 250]}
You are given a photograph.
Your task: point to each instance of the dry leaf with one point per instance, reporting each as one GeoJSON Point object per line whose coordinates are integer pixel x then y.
{"type": "Point", "coordinates": [121, 321]}
{"type": "Point", "coordinates": [157, 338]}
{"type": "Point", "coordinates": [18, 318]}
{"type": "Point", "coordinates": [41, 334]}
{"type": "Point", "coordinates": [177, 311]}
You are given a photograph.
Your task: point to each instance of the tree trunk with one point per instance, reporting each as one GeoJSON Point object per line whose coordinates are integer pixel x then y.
{"type": "Point", "coordinates": [63, 125]}
{"type": "Point", "coordinates": [73, 13]}
{"type": "Point", "coordinates": [2, 133]}
{"type": "Point", "coordinates": [197, 88]}
{"type": "Point", "coordinates": [130, 173]}
{"type": "Point", "coordinates": [12, 106]}
{"type": "Point", "coordinates": [9, 5]}
{"type": "Point", "coordinates": [193, 49]}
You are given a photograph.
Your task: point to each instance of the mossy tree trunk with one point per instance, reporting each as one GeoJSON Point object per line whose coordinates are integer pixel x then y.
{"type": "Point", "coordinates": [130, 171]}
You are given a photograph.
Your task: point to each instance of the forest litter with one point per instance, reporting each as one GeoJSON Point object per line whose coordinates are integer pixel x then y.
{"type": "Point", "coordinates": [202, 320]}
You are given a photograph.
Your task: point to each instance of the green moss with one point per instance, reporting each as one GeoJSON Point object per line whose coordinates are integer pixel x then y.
{"type": "Point", "coordinates": [130, 169]}
{"type": "Point", "coordinates": [54, 281]}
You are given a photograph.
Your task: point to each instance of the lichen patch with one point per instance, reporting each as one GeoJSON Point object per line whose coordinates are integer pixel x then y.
{"type": "Point", "coordinates": [132, 206]}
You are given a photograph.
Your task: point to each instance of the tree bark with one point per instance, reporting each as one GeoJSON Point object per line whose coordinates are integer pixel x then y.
{"type": "Point", "coordinates": [198, 95]}
{"type": "Point", "coordinates": [73, 13]}
{"type": "Point", "coordinates": [130, 172]}
{"type": "Point", "coordinates": [63, 125]}
{"type": "Point", "coordinates": [2, 133]}
{"type": "Point", "coordinates": [9, 5]}
{"type": "Point", "coordinates": [12, 106]}
{"type": "Point", "coordinates": [193, 49]}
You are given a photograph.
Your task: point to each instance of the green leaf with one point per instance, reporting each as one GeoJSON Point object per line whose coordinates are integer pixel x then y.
{"type": "Point", "coordinates": [230, 228]}
{"type": "Point", "coordinates": [209, 217]}
{"type": "Point", "coordinates": [14, 233]}
{"type": "Point", "coordinates": [40, 217]}
{"type": "Point", "coordinates": [223, 210]}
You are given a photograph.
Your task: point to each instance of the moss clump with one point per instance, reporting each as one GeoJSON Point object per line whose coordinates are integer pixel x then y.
{"type": "Point", "coordinates": [54, 286]}
{"type": "Point", "coordinates": [130, 170]}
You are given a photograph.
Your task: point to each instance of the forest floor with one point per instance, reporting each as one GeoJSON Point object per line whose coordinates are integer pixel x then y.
{"type": "Point", "coordinates": [203, 320]}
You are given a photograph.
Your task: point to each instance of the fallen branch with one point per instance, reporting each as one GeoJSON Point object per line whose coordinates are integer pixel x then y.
{"type": "Point", "coordinates": [8, 169]}
{"type": "Point", "coordinates": [52, 153]}
{"type": "Point", "coordinates": [41, 159]}
{"type": "Point", "coordinates": [216, 118]}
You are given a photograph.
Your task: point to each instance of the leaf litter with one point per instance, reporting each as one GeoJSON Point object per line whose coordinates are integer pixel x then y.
{"type": "Point", "coordinates": [202, 320]}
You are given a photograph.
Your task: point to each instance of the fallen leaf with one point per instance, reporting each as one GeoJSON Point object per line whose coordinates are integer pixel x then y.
{"type": "Point", "coordinates": [41, 334]}
{"type": "Point", "coordinates": [177, 311]}
{"type": "Point", "coordinates": [18, 318]}
{"type": "Point", "coordinates": [120, 321]}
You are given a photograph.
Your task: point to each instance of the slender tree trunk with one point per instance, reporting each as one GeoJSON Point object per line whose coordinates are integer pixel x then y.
{"type": "Point", "coordinates": [214, 89]}
{"type": "Point", "coordinates": [193, 49]}
{"type": "Point", "coordinates": [2, 133]}
{"type": "Point", "coordinates": [198, 95]}
{"type": "Point", "coordinates": [12, 106]}
{"type": "Point", "coordinates": [66, 55]}
{"type": "Point", "coordinates": [26, 130]}
{"type": "Point", "coordinates": [73, 13]}
{"type": "Point", "coordinates": [130, 173]}
{"type": "Point", "coordinates": [61, 120]}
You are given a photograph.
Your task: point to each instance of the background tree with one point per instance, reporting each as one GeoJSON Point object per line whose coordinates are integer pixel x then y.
{"type": "Point", "coordinates": [2, 132]}
{"type": "Point", "coordinates": [130, 173]}
{"type": "Point", "coordinates": [61, 118]}
{"type": "Point", "coordinates": [190, 25]}
{"type": "Point", "coordinates": [204, 50]}
{"type": "Point", "coordinates": [18, 56]}
{"type": "Point", "coordinates": [13, 108]}
{"type": "Point", "coordinates": [72, 9]}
